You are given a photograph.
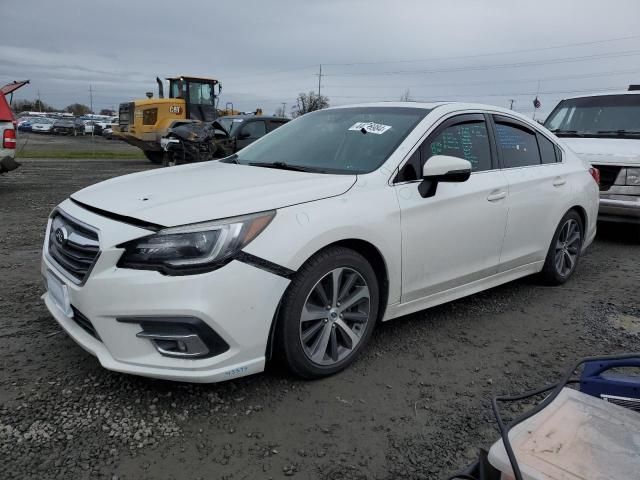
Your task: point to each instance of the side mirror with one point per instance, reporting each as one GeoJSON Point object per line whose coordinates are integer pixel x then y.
{"type": "Point", "coordinates": [442, 168]}
{"type": "Point", "coordinates": [243, 135]}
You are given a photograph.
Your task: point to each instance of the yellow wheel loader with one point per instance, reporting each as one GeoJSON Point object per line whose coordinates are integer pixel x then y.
{"type": "Point", "coordinates": [143, 123]}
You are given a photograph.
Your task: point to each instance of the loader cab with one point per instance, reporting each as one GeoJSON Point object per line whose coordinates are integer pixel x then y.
{"type": "Point", "coordinates": [199, 94]}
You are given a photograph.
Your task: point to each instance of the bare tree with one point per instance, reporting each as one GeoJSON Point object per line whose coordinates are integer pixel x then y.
{"type": "Point", "coordinates": [31, 106]}
{"type": "Point", "coordinates": [406, 96]}
{"type": "Point", "coordinates": [107, 112]}
{"type": "Point", "coordinates": [78, 109]}
{"type": "Point", "coordinates": [309, 102]}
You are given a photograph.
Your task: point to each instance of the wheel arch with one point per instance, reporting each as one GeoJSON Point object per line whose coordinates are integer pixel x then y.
{"type": "Point", "coordinates": [372, 254]}
{"type": "Point", "coordinates": [583, 216]}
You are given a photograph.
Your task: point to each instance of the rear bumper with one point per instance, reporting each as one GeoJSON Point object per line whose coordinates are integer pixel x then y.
{"type": "Point", "coordinates": [7, 164]}
{"type": "Point", "coordinates": [619, 208]}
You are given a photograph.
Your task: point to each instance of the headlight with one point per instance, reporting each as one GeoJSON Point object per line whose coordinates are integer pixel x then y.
{"type": "Point", "coordinates": [633, 176]}
{"type": "Point", "coordinates": [196, 248]}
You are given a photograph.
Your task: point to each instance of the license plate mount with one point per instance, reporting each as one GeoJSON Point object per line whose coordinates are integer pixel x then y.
{"type": "Point", "coordinates": [59, 293]}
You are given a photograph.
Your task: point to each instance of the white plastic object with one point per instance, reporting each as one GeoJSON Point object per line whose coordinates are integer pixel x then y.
{"type": "Point", "coordinates": [576, 437]}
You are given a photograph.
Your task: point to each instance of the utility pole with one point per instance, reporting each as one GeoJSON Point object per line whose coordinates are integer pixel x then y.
{"type": "Point", "coordinates": [511, 106]}
{"type": "Point", "coordinates": [39, 101]}
{"type": "Point", "coordinates": [91, 98]}
{"type": "Point", "coordinates": [319, 81]}
{"type": "Point", "coordinates": [284, 109]}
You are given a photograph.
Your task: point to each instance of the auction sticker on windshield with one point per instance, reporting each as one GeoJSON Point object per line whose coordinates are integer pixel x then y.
{"type": "Point", "coordinates": [370, 127]}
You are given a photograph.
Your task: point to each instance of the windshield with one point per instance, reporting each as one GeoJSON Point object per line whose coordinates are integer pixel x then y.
{"type": "Point", "coordinates": [342, 140]}
{"type": "Point", "coordinates": [594, 116]}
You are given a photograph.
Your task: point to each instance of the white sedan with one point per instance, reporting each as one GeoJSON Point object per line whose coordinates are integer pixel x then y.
{"type": "Point", "coordinates": [300, 243]}
{"type": "Point", "coordinates": [42, 125]}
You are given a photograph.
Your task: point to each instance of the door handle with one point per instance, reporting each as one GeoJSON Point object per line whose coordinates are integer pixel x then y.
{"type": "Point", "coordinates": [559, 181]}
{"type": "Point", "coordinates": [497, 195]}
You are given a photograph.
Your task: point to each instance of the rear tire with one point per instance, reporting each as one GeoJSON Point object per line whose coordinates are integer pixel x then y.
{"type": "Point", "coordinates": [318, 340]}
{"type": "Point", "coordinates": [564, 251]}
{"type": "Point", "coordinates": [153, 157]}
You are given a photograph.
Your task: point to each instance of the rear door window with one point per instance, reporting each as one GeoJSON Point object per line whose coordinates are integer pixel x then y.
{"type": "Point", "coordinates": [547, 149]}
{"type": "Point", "coordinates": [273, 124]}
{"type": "Point", "coordinates": [255, 129]}
{"type": "Point", "coordinates": [516, 144]}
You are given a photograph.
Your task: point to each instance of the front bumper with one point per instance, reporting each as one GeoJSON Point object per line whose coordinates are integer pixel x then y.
{"type": "Point", "coordinates": [619, 208]}
{"type": "Point", "coordinates": [238, 302]}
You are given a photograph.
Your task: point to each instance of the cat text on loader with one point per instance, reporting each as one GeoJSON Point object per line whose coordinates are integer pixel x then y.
{"type": "Point", "coordinates": [144, 122]}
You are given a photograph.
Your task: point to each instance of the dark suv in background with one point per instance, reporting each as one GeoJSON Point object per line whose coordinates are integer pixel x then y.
{"type": "Point", "coordinates": [68, 126]}
{"type": "Point", "coordinates": [246, 129]}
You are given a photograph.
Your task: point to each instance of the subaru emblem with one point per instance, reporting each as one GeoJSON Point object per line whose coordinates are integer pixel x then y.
{"type": "Point", "coordinates": [61, 235]}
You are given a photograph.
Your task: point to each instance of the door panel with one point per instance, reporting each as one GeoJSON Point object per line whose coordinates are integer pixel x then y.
{"type": "Point", "coordinates": [536, 191]}
{"type": "Point", "coordinates": [454, 237]}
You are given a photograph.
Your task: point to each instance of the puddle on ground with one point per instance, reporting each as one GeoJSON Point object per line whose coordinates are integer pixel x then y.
{"type": "Point", "coordinates": [630, 323]}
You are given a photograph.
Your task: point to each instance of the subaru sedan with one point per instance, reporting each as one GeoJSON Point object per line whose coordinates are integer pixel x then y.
{"type": "Point", "coordinates": [301, 243]}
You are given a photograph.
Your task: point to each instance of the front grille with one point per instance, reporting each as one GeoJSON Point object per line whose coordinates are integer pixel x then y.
{"type": "Point", "coordinates": [608, 175]}
{"type": "Point", "coordinates": [73, 246]}
{"type": "Point", "coordinates": [84, 323]}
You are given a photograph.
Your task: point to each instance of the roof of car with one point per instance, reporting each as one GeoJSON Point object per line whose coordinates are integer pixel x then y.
{"type": "Point", "coordinates": [256, 117]}
{"type": "Point", "coordinates": [602, 94]}
{"type": "Point", "coordinates": [449, 106]}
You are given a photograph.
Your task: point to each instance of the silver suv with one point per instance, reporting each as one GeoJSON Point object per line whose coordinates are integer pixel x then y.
{"type": "Point", "coordinates": [604, 129]}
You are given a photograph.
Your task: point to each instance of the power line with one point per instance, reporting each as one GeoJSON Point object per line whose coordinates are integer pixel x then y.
{"type": "Point", "coordinates": [487, 67]}
{"type": "Point", "coordinates": [505, 94]}
{"type": "Point", "coordinates": [492, 82]}
{"type": "Point", "coordinates": [489, 54]}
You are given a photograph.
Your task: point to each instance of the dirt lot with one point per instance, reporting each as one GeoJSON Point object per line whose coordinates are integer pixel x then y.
{"type": "Point", "coordinates": [415, 405]}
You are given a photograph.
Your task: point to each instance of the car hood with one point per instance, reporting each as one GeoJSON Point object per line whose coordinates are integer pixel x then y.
{"type": "Point", "coordinates": [208, 191]}
{"type": "Point", "coordinates": [608, 151]}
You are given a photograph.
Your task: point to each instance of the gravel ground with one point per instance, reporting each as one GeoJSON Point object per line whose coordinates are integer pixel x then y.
{"type": "Point", "coordinates": [38, 143]}
{"type": "Point", "coordinates": [415, 405]}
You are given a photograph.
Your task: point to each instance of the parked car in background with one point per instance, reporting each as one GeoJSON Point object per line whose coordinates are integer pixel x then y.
{"type": "Point", "coordinates": [24, 124]}
{"type": "Point", "coordinates": [301, 242]}
{"type": "Point", "coordinates": [42, 125]}
{"type": "Point", "coordinates": [68, 126]}
{"type": "Point", "coordinates": [197, 141]}
{"type": "Point", "coordinates": [92, 127]}
{"type": "Point", "coordinates": [246, 129]}
{"type": "Point", "coordinates": [108, 132]}
{"type": "Point", "coordinates": [604, 130]}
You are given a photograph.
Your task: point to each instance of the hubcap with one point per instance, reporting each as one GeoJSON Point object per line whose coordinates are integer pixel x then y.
{"type": "Point", "coordinates": [568, 247]}
{"type": "Point", "coordinates": [334, 316]}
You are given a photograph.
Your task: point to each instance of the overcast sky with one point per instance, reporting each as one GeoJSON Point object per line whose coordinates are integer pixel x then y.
{"type": "Point", "coordinates": [264, 52]}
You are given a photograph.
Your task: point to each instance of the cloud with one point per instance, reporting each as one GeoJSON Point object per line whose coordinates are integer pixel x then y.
{"type": "Point", "coordinates": [264, 53]}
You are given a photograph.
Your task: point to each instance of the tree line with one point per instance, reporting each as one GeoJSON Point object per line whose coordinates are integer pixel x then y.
{"type": "Point", "coordinates": [78, 109]}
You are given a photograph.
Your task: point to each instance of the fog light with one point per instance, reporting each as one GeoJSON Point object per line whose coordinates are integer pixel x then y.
{"type": "Point", "coordinates": [179, 337]}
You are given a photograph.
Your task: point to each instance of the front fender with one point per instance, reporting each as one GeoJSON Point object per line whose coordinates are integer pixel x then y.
{"type": "Point", "coordinates": [298, 232]}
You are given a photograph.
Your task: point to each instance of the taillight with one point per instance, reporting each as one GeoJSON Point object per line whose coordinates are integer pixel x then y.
{"type": "Point", "coordinates": [9, 138]}
{"type": "Point", "coordinates": [595, 173]}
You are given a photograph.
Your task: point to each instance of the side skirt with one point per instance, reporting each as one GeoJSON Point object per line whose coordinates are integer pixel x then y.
{"type": "Point", "coordinates": [400, 309]}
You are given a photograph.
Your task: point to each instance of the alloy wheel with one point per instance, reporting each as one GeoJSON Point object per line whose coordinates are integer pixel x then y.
{"type": "Point", "coordinates": [335, 316]}
{"type": "Point", "coordinates": [568, 247]}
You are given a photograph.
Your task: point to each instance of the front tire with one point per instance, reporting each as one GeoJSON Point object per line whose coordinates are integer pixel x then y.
{"type": "Point", "coordinates": [153, 157]}
{"type": "Point", "coordinates": [328, 313]}
{"type": "Point", "coordinates": [564, 251]}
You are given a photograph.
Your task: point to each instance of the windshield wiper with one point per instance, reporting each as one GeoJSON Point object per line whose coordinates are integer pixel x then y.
{"type": "Point", "coordinates": [620, 132]}
{"type": "Point", "coordinates": [559, 132]}
{"type": "Point", "coordinates": [286, 166]}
